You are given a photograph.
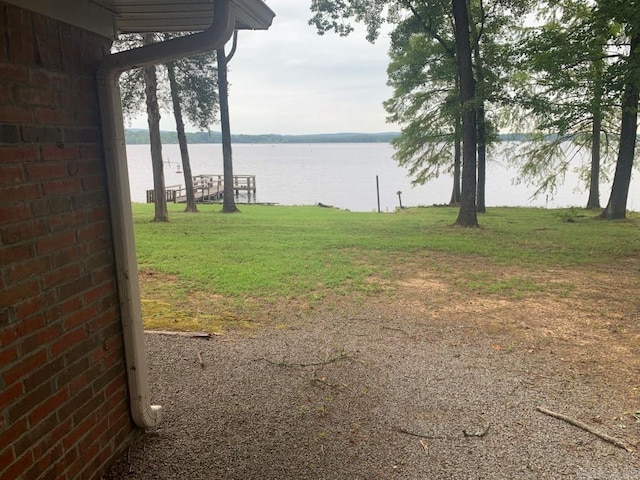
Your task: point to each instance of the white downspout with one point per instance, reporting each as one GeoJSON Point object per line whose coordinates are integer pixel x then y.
{"type": "Point", "coordinates": [144, 414]}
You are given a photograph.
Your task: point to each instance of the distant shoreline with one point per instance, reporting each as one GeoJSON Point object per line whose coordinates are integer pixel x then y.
{"type": "Point", "coordinates": [135, 136]}
{"type": "Point", "coordinates": [141, 137]}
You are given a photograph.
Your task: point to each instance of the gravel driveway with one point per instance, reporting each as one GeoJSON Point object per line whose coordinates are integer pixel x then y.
{"type": "Point", "coordinates": [378, 393]}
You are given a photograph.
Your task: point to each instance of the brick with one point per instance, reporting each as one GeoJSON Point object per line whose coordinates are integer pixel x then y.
{"type": "Point", "coordinates": [46, 170]}
{"type": "Point", "coordinates": [19, 154]}
{"type": "Point", "coordinates": [55, 241]}
{"type": "Point", "coordinates": [75, 287]}
{"type": "Point", "coordinates": [20, 36]}
{"type": "Point", "coordinates": [54, 80]}
{"type": "Point", "coordinates": [22, 369]}
{"type": "Point", "coordinates": [82, 135]}
{"type": "Point", "coordinates": [64, 186]}
{"type": "Point", "coordinates": [35, 433]}
{"type": "Point", "coordinates": [10, 254]}
{"type": "Point", "coordinates": [15, 430]}
{"type": "Point", "coordinates": [14, 213]}
{"type": "Point", "coordinates": [34, 267]}
{"type": "Point", "coordinates": [8, 133]}
{"type": "Point", "coordinates": [10, 395]}
{"type": "Point", "coordinates": [81, 350]}
{"type": "Point", "coordinates": [8, 355]}
{"type": "Point", "coordinates": [6, 455]}
{"type": "Point", "coordinates": [95, 182]}
{"type": "Point", "coordinates": [37, 96]}
{"type": "Point", "coordinates": [51, 153]}
{"type": "Point", "coordinates": [27, 403]}
{"type": "Point", "coordinates": [11, 72]}
{"type": "Point", "coordinates": [16, 469]}
{"type": "Point", "coordinates": [16, 294]}
{"type": "Point", "coordinates": [89, 200]}
{"type": "Point", "coordinates": [99, 213]}
{"type": "Point", "coordinates": [81, 427]}
{"type": "Point", "coordinates": [10, 173]}
{"type": "Point", "coordinates": [41, 135]}
{"type": "Point", "coordinates": [34, 305]}
{"type": "Point", "coordinates": [47, 45]}
{"type": "Point", "coordinates": [70, 54]}
{"type": "Point", "coordinates": [60, 310]}
{"type": "Point", "coordinates": [51, 116]}
{"type": "Point", "coordinates": [10, 334]}
{"type": "Point", "coordinates": [13, 113]}
{"type": "Point", "coordinates": [67, 221]}
{"type": "Point", "coordinates": [67, 341]}
{"type": "Point", "coordinates": [79, 317]}
{"type": "Point", "coordinates": [75, 376]}
{"type": "Point", "coordinates": [65, 256]}
{"type": "Point", "coordinates": [19, 193]}
{"type": "Point", "coordinates": [90, 232]}
{"type": "Point", "coordinates": [105, 288]}
{"type": "Point", "coordinates": [91, 152]}
{"type": "Point", "coordinates": [47, 407]}
{"type": "Point", "coordinates": [59, 276]}
{"type": "Point", "coordinates": [51, 205]}
{"type": "Point", "coordinates": [39, 340]}
{"type": "Point", "coordinates": [23, 231]}
{"type": "Point", "coordinates": [89, 408]}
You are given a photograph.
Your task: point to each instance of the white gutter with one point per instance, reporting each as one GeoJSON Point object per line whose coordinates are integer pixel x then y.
{"type": "Point", "coordinates": [144, 414]}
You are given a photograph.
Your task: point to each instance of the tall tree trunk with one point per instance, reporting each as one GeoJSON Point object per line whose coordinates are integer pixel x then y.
{"type": "Point", "coordinates": [467, 216]}
{"type": "Point", "coordinates": [228, 203]}
{"type": "Point", "coordinates": [182, 139]}
{"type": "Point", "coordinates": [153, 118]}
{"type": "Point", "coordinates": [482, 159]}
{"type": "Point", "coordinates": [457, 154]}
{"type": "Point", "coordinates": [594, 175]}
{"type": "Point", "coordinates": [617, 205]}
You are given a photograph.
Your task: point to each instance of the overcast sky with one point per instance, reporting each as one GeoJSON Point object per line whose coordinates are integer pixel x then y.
{"type": "Point", "coordinates": [289, 80]}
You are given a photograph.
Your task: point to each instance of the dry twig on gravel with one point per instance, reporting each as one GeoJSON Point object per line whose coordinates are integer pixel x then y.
{"type": "Point", "coordinates": [587, 428]}
{"type": "Point", "coordinates": [342, 356]}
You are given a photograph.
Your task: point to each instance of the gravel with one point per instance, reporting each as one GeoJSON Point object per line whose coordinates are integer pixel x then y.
{"type": "Point", "coordinates": [377, 393]}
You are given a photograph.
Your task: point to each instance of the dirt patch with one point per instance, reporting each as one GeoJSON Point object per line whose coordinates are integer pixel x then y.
{"type": "Point", "coordinates": [429, 378]}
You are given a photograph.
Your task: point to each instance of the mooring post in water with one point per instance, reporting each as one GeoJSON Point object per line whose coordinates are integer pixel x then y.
{"type": "Point", "coordinates": [400, 198]}
{"type": "Point", "coordinates": [378, 192]}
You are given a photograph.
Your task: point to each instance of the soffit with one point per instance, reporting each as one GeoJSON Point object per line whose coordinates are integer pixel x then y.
{"type": "Point", "coordinates": [110, 17]}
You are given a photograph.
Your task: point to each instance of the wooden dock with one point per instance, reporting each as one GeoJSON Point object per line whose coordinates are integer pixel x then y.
{"type": "Point", "coordinates": [208, 188]}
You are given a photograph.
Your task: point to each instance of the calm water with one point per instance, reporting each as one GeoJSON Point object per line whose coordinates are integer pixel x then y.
{"type": "Point", "coordinates": [344, 175]}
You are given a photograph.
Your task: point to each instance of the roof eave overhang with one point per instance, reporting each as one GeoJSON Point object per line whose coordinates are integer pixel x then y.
{"type": "Point", "coordinates": [250, 15]}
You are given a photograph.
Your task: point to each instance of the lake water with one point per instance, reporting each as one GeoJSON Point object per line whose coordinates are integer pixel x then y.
{"type": "Point", "coordinates": [344, 175]}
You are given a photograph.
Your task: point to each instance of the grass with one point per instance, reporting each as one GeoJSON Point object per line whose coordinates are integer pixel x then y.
{"type": "Point", "coordinates": [303, 254]}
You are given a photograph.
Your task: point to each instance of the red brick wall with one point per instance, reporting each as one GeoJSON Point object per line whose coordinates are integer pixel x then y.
{"type": "Point", "coordinates": [63, 398]}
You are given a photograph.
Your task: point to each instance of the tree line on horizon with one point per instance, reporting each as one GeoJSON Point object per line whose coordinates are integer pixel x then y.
{"type": "Point", "coordinates": [141, 136]}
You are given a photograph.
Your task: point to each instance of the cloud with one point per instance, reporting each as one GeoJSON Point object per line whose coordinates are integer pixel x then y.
{"type": "Point", "coordinates": [291, 80]}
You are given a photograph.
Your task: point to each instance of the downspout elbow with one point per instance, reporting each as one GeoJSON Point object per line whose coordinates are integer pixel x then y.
{"type": "Point", "coordinates": [144, 414]}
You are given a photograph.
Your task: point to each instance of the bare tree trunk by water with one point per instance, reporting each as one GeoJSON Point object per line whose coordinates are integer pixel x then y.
{"type": "Point", "coordinates": [467, 216]}
{"type": "Point", "coordinates": [617, 205]}
{"type": "Point", "coordinates": [457, 164]}
{"type": "Point", "coordinates": [153, 117]}
{"type": "Point", "coordinates": [228, 204]}
{"type": "Point", "coordinates": [182, 140]}
{"type": "Point", "coordinates": [594, 178]}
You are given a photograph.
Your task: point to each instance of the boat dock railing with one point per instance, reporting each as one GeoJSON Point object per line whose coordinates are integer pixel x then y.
{"type": "Point", "coordinates": [208, 188]}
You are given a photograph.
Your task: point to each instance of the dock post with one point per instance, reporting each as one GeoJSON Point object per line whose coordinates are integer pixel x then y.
{"type": "Point", "coordinates": [378, 192]}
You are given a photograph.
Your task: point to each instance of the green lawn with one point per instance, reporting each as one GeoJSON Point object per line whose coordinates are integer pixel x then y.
{"type": "Point", "coordinates": [268, 251]}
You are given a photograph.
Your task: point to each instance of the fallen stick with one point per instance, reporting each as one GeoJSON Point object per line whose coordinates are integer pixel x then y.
{"type": "Point", "coordinates": [200, 359]}
{"type": "Point", "coordinates": [182, 334]}
{"type": "Point", "coordinates": [419, 435]}
{"type": "Point", "coordinates": [342, 356]}
{"type": "Point", "coordinates": [587, 428]}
